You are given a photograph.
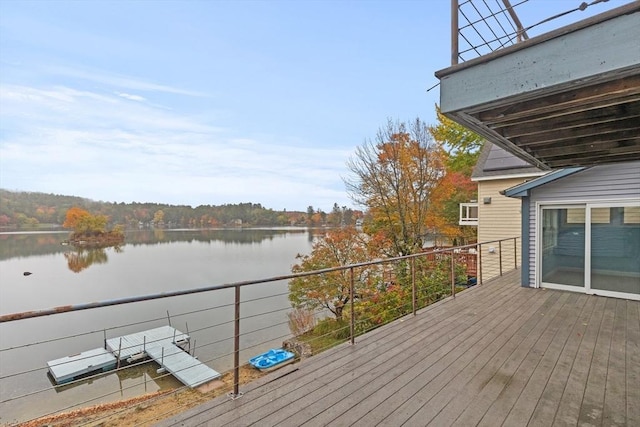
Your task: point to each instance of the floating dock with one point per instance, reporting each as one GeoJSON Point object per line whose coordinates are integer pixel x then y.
{"type": "Point", "coordinates": [69, 368]}
{"type": "Point", "coordinates": [160, 344]}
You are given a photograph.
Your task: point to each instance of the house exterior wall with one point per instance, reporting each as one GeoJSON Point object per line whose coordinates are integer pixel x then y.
{"type": "Point", "coordinates": [620, 181]}
{"type": "Point", "coordinates": [500, 219]}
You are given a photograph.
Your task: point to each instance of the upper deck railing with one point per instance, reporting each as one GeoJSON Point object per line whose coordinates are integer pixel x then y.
{"type": "Point", "coordinates": [247, 322]}
{"type": "Point", "coordinates": [479, 27]}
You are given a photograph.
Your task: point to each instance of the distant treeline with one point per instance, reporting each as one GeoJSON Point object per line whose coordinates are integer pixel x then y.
{"type": "Point", "coordinates": [28, 210]}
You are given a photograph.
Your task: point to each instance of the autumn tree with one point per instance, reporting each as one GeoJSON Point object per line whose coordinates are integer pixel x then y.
{"type": "Point", "coordinates": [93, 228]}
{"type": "Point", "coordinates": [454, 188]}
{"type": "Point", "coordinates": [331, 291]}
{"type": "Point", "coordinates": [75, 217]}
{"type": "Point", "coordinates": [394, 177]}
{"type": "Point", "coordinates": [462, 148]}
{"type": "Point", "coordinates": [82, 222]}
{"type": "Point", "coordinates": [158, 217]}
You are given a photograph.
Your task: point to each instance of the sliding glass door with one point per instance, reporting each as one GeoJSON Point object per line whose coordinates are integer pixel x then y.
{"type": "Point", "coordinates": [563, 245]}
{"type": "Point", "coordinates": [615, 249]}
{"type": "Point", "coordinates": [594, 247]}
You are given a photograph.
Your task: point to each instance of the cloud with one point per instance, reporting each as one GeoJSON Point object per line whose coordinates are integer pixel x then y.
{"type": "Point", "coordinates": [117, 80]}
{"type": "Point", "coordinates": [100, 145]}
{"type": "Point", "coordinates": [131, 97]}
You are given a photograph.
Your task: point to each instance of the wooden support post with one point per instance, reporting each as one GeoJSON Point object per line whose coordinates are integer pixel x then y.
{"type": "Point", "coordinates": [168, 318]}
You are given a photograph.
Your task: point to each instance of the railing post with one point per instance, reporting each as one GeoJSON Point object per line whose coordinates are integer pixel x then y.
{"type": "Point", "coordinates": [454, 32]}
{"type": "Point", "coordinates": [236, 346]}
{"type": "Point", "coordinates": [500, 255]}
{"type": "Point", "coordinates": [453, 274]}
{"type": "Point", "coordinates": [352, 326]}
{"type": "Point", "coordinates": [515, 252]}
{"type": "Point", "coordinates": [119, 352]}
{"type": "Point", "coordinates": [413, 286]}
{"type": "Point", "coordinates": [480, 263]}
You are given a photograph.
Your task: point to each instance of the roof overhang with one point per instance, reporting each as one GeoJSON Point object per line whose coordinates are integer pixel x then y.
{"type": "Point", "coordinates": [570, 97]}
{"type": "Point", "coordinates": [524, 189]}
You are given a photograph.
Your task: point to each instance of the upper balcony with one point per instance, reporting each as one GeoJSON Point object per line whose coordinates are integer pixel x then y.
{"type": "Point", "coordinates": [568, 97]}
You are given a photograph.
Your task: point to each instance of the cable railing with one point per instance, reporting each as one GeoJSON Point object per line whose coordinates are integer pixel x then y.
{"type": "Point", "coordinates": [479, 27]}
{"type": "Point", "coordinates": [238, 321]}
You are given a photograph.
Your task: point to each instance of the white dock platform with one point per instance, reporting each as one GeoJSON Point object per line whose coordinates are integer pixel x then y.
{"type": "Point", "coordinates": [159, 344]}
{"type": "Point", "coordinates": [135, 344]}
{"type": "Point", "coordinates": [69, 368]}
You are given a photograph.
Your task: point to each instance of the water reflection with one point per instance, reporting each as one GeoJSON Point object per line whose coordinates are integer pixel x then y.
{"type": "Point", "coordinates": [151, 262]}
{"type": "Point", "coordinates": [144, 378]}
{"type": "Point", "coordinates": [17, 245]}
{"type": "Point", "coordinates": [81, 258]}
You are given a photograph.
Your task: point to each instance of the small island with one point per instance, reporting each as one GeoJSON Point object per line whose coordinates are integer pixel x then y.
{"type": "Point", "coordinates": [90, 231]}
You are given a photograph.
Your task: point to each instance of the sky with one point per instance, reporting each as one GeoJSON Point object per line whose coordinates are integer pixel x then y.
{"type": "Point", "coordinates": [216, 102]}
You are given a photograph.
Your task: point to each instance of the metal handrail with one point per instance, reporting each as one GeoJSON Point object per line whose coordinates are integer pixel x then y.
{"type": "Point", "coordinates": [453, 251]}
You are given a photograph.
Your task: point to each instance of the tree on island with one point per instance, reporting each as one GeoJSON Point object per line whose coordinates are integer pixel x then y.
{"type": "Point", "coordinates": [91, 230]}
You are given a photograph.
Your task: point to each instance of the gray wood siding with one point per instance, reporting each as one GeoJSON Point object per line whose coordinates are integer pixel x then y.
{"type": "Point", "coordinates": [599, 183]}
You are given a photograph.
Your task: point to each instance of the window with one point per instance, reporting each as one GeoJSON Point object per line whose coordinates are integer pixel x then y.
{"type": "Point", "coordinates": [468, 214]}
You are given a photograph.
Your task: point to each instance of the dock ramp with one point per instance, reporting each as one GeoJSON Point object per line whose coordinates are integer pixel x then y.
{"type": "Point", "coordinates": [160, 344]}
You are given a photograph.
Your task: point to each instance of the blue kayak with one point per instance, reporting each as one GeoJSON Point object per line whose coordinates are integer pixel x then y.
{"type": "Point", "coordinates": [272, 359]}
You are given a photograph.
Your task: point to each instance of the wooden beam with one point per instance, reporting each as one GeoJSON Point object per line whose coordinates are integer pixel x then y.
{"type": "Point", "coordinates": [586, 145]}
{"type": "Point", "coordinates": [606, 156]}
{"type": "Point", "coordinates": [576, 119]}
{"type": "Point", "coordinates": [593, 94]}
{"type": "Point", "coordinates": [546, 135]}
{"type": "Point", "coordinates": [577, 108]}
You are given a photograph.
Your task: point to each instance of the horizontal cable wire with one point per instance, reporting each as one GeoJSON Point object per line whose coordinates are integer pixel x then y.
{"type": "Point", "coordinates": [494, 21]}
{"type": "Point", "coordinates": [382, 270]}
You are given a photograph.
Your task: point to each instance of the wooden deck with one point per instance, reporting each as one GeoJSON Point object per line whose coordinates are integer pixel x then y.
{"type": "Point", "coordinates": [497, 354]}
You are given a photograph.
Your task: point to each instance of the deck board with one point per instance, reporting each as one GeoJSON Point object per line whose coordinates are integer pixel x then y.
{"type": "Point", "coordinates": [497, 354]}
{"type": "Point", "coordinates": [437, 327]}
{"type": "Point", "coordinates": [615, 397]}
{"type": "Point", "coordinates": [633, 363]}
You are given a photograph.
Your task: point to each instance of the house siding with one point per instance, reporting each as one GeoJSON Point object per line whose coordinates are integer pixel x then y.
{"type": "Point", "coordinates": [620, 181]}
{"type": "Point", "coordinates": [500, 219]}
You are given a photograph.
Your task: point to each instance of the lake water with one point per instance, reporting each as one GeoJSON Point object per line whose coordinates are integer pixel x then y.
{"type": "Point", "coordinates": [151, 262]}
